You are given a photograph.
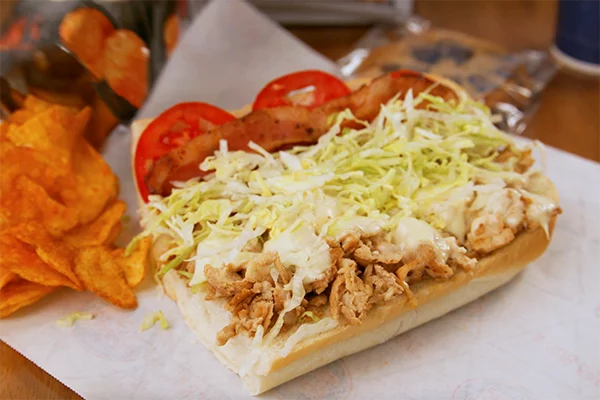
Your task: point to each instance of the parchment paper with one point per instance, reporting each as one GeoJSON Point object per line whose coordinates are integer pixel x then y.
{"type": "Point", "coordinates": [535, 338]}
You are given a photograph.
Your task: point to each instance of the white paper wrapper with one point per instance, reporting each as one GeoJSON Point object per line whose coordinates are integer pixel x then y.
{"type": "Point", "coordinates": [535, 338]}
{"type": "Point", "coordinates": [226, 56]}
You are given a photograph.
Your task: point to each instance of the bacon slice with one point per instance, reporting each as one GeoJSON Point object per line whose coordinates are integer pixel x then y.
{"type": "Point", "coordinates": [284, 126]}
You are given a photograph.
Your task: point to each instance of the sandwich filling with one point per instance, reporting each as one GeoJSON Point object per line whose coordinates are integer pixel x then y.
{"type": "Point", "coordinates": [310, 238]}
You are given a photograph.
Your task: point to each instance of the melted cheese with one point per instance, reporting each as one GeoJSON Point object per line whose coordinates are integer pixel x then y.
{"type": "Point", "coordinates": [219, 250]}
{"type": "Point", "coordinates": [505, 202]}
{"type": "Point", "coordinates": [412, 232]}
{"type": "Point", "coordinates": [365, 225]}
{"type": "Point", "coordinates": [302, 249]}
{"type": "Point", "coordinates": [540, 210]}
{"type": "Point", "coordinates": [453, 211]}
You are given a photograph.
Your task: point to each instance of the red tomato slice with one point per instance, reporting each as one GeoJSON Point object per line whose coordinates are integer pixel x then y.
{"type": "Point", "coordinates": [324, 87]}
{"type": "Point", "coordinates": [405, 72]}
{"type": "Point", "coordinates": [170, 130]}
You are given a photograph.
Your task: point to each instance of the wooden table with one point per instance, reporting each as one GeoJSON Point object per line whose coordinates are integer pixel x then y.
{"type": "Point", "coordinates": [568, 118]}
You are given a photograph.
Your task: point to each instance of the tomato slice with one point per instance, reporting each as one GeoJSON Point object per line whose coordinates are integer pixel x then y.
{"type": "Point", "coordinates": [170, 130]}
{"type": "Point", "coordinates": [405, 72]}
{"type": "Point", "coordinates": [321, 87]}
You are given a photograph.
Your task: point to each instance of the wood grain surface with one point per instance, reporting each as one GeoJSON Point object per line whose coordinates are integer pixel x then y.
{"type": "Point", "coordinates": [568, 118]}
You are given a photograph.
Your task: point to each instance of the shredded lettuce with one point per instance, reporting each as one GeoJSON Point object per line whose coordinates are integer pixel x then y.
{"type": "Point", "coordinates": [70, 319]}
{"type": "Point", "coordinates": [371, 177]}
{"type": "Point", "coordinates": [185, 274]}
{"type": "Point", "coordinates": [153, 318]}
{"type": "Point", "coordinates": [196, 288]}
{"type": "Point", "coordinates": [310, 315]}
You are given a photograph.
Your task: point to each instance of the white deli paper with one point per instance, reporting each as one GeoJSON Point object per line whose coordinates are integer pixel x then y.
{"type": "Point", "coordinates": [535, 338]}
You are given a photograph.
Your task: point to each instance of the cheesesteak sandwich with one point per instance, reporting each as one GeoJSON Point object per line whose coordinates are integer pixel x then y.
{"type": "Point", "coordinates": [324, 222]}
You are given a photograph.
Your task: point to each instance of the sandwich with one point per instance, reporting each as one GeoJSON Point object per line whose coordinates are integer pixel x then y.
{"type": "Point", "coordinates": [314, 224]}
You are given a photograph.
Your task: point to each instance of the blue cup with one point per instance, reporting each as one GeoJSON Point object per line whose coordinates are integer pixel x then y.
{"type": "Point", "coordinates": [577, 41]}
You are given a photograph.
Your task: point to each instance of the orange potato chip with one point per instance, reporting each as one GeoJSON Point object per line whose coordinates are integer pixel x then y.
{"type": "Point", "coordinates": [29, 201]}
{"type": "Point", "coordinates": [4, 131]}
{"type": "Point", "coordinates": [22, 260]}
{"type": "Point", "coordinates": [40, 132]}
{"type": "Point", "coordinates": [58, 192]}
{"type": "Point", "coordinates": [35, 104]}
{"type": "Point", "coordinates": [100, 273]}
{"type": "Point", "coordinates": [126, 66]}
{"type": "Point", "coordinates": [95, 184]}
{"type": "Point", "coordinates": [101, 230]}
{"type": "Point", "coordinates": [74, 120]}
{"type": "Point", "coordinates": [54, 253]}
{"type": "Point", "coordinates": [84, 32]}
{"type": "Point", "coordinates": [114, 233]}
{"type": "Point", "coordinates": [134, 265]}
{"type": "Point", "coordinates": [17, 161]}
{"type": "Point", "coordinates": [21, 293]}
{"type": "Point", "coordinates": [52, 133]}
{"type": "Point", "coordinates": [6, 276]}
{"type": "Point", "coordinates": [171, 33]}
{"type": "Point", "coordinates": [19, 117]}
{"type": "Point", "coordinates": [102, 122]}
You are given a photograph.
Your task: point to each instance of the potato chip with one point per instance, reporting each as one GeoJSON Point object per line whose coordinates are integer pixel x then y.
{"type": "Point", "coordinates": [35, 104]}
{"type": "Point", "coordinates": [102, 123]}
{"type": "Point", "coordinates": [17, 161]}
{"type": "Point", "coordinates": [114, 233]}
{"type": "Point", "coordinates": [29, 201]}
{"type": "Point", "coordinates": [75, 121]}
{"type": "Point", "coordinates": [95, 184]}
{"type": "Point", "coordinates": [19, 117]}
{"type": "Point", "coordinates": [134, 265]}
{"type": "Point", "coordinates": [58, 192]}
{"type": "Point", "coordinates": [52, 133]}
{"type": "Point", "coordinates": [6, 276]}
{"type": "Point", "coordinates": [4, 131]}
{"type": "Point", "coordinates": [51, 251]}
{"type": "Point", "coordinates": [125, 66]}
{"type": "Point", "coordinates": [100, 273]}
{"type": "Point", "coordinates": [22, 260]}
{"type": "Point", "coordinates": [21, 293]}
{"type": "Point", "coordinates": [84, 32]}
{"type": "Point", "coordinates": [171, 33]}
{"type": "Point", "coordinates": [41, 133]}
{"type": "Point", "coordinates": [99, 231]}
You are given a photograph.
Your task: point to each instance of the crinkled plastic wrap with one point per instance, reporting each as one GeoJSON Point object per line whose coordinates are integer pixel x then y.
{"type": "Point", "coordinates": [510, 83]}
{"type": "Point", "coordinates": [102, 54]}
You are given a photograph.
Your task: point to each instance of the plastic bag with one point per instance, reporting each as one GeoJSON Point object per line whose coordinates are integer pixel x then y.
{"type": "Point", "coordinates": [102, 54]}
{"type": "Point", "coordinates": [508, 82]}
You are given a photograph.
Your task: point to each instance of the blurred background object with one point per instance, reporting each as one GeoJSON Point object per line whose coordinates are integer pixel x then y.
{"type": "Point", "coordinates": [577, 43]}
{"type": "Point", "coordinates": [329, 12]}
{"type": "Point", "coordinates": [115, 49]}
{"type": "Point", "coordinates": [508, 82]}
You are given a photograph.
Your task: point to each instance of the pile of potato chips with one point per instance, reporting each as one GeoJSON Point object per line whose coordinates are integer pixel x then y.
{"type": "Point", "coordinates": [59, 212]}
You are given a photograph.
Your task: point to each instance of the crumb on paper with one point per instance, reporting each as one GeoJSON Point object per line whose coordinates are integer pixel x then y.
{"type": "Point", "coordinates": [152, 318]}
{"type": "Point", "coordinates": [70, 319]}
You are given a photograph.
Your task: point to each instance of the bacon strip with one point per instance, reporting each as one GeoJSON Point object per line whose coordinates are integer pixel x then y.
{"type": "Point", "coordinates": [284, 126]}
